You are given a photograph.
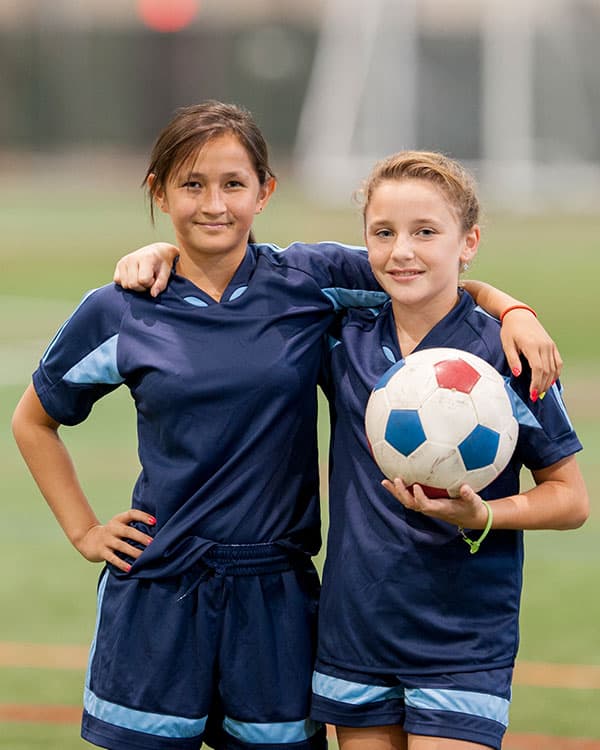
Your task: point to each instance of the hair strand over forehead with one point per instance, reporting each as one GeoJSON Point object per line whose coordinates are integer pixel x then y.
{"type": "Point", "coordinates": [454, 181]}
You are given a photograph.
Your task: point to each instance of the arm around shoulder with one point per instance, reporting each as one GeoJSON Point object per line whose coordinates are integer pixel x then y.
{"type": "Point", "coordinates": [148, 267]}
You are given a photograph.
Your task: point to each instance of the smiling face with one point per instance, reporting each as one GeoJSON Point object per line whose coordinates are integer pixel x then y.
{"type": "Point", "coordinates": [416, 243]}
{"type": "Point", "coordinates": [212, 200]}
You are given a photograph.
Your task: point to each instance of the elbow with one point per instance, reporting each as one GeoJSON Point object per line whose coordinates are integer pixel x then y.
{"type": "Point", "coordinates": [580, 512]}
{"type": "Point", "coordinates": [17, 426]}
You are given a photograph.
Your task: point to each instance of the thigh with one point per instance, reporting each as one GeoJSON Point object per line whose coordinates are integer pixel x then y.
{"type": "Point", "coordinates": [391, 737]}
{"type": "Point", "coordinates": [150, 676]}
{"type": "Point", "coordinates": [441, 743]}
{"type": "Point", "coordinates": [266, 660]}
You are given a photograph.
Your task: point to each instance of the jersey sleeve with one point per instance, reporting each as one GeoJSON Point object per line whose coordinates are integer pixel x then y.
{"type": "Point", "coordinates": [546, 434]}
{"type": "Point", "coordinates": [342, 272]}
{"type": "Point", "coordinates": [80, 364]}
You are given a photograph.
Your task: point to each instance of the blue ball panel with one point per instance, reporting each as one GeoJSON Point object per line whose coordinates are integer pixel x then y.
{"type": "Point", "coordinates": [479, 448]}
{"type": "Point", "coordinates": [404, 430]}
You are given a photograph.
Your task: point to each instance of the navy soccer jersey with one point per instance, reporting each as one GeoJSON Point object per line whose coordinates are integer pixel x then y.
{"type": "Point", "coordinates": [401, 593]}
{"type": "Point", "coordinates": [225, 395]}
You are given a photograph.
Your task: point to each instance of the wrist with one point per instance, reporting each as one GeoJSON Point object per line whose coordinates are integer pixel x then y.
{"type": "Point", "coordinates": [474, 544]}
{"type": "Point", "coordinates": [516, 307]}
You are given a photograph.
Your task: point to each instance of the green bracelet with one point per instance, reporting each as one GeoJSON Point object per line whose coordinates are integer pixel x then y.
{"type": "Point", "coordinates": [474, 544]}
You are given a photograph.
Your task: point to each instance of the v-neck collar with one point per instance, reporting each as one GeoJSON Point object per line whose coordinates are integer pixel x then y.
{"type": "Point", "coordinates": [197, 297]}
{"type": "Point", "coordinates": [442, 332]}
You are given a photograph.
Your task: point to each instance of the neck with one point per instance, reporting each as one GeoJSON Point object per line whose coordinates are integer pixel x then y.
{"type": "Point", "coordinates": [211, 273]}
{"type": "Point", "coordinates": [413, 322]}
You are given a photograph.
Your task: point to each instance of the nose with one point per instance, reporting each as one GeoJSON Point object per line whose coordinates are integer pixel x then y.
{"type": "Point", "coordinates": [212, 202]}
{"type": "Point", "coordinates": [403, 249]}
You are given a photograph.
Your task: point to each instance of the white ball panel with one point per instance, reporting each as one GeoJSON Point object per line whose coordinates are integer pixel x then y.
{"type": "Point", "coordinates": [447, 416]}
{"type": "Point", "coordinates": [376, 415]}
{"type": "Point", "coordinates": [435, 465]}
{"type": "Point", "coordinates": [410, 386]}
{"type": "Point", "coordinates": [391, 463]}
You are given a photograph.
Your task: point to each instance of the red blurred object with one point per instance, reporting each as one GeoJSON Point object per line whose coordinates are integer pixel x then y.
{"type": "Point", "coordinates": [167, 15]}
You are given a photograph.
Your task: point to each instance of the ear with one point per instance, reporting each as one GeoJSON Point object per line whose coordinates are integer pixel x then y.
{"type": "Point", "coordinates": [265, 193]}
{"type": "Point", "coordinates": [158, 194]}
{"type": "Point", "coordinates": [471, 244]}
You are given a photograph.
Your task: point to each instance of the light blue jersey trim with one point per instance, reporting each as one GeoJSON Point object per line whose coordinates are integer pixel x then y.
{"type": "Point", "coordinates": [479, 309]}
{"type": "Point", "coordinates": [161, 725]}
{"type": "Point", "coordinates": [100, 597]}
{"type": "Point", "coordinates": [483, 705]}
{"type": "Point", "coordinates": [343, 298]}
{"type": "Point", "coordinates": [99, 366]}
{"type": "Point", "coordinates": [271, 733]}
{"type": "Point", "coordinates": [195, 301]}
{"type": "Point", "coordinates": [557, 393]}
{"type": "Point", "coordinates": [237, 292]}
{"type": "Point", "coordinates": [389, 354]}
{"type": "Point", "coordinates": [522, 413]}
{"type": "Point", "coordinates": [356, 693]}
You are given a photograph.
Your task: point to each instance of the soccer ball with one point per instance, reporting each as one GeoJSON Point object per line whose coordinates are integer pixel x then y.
{"type": "Point", "coordinates": [441, 418]}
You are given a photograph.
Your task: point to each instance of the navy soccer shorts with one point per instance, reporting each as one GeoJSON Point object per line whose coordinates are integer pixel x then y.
{"type": "Point", "coordinates": [469, 706]}
{"type": "Point", "coordinates": [222, 654]}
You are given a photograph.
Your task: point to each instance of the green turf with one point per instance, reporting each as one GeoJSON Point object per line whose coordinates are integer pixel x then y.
{"type": "Point", "coordinates": [48, 590]}
{"type": "Point", "coordinates": [41, 737]}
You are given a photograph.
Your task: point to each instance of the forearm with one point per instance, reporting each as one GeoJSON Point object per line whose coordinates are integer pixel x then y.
{"type": "Point", "coordinates": [558, 502]}
{"type": "Point", "coordinates": [494, 301]}
{"type": "Point", "coordinates": [52, 469]}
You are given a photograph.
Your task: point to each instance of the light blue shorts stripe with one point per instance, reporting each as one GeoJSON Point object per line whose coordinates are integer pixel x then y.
{"type": "Point", "coordinates": [483, 705]}
{"type": "Point", "coordinates": [271, 733]}
{"type": "Point", "coordinates": [345, 691]}
{"type": "Point", "coordinates": [161, 725]}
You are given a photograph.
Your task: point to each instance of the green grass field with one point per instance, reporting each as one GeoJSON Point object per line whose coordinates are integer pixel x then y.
{"type": "Point", "coordinates": [58, 242]}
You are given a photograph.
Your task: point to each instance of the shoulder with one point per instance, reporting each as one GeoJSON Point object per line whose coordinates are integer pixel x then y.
{"type": "Point", "coordinates": [313, 257]}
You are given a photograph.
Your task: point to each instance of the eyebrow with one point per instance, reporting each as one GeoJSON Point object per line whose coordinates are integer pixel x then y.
{"type": "Point", "coordinates": [385, 221]}
{"type": "Point", "coordinates": [226, 175]}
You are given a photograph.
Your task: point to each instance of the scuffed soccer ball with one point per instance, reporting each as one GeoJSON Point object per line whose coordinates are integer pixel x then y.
{"type": "Point", "coordinates": [441, 418]}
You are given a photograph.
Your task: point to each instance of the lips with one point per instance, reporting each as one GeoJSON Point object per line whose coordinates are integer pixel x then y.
{"type": "Point", "coordinates": [408, 273]}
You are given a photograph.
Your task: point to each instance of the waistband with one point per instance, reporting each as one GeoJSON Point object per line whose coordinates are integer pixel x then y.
{"type": "Point", "coordinates": [247, 559]}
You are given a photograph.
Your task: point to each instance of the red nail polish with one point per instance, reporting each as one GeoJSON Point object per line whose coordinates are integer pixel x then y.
{"type": "Point", "coordinates": [516, 372]}
{"type": "Point", "coordinates": [552, 383]}
{"type": "Point", "coordinates": [151, 520]}
{"type": "Point", "coordinates": [127, 568]}
{"type": "Point", "coordinates": [534, 395]}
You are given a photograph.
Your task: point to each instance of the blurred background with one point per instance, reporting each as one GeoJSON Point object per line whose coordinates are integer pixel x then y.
{"type": "Point", "coordinates": [510, 87]}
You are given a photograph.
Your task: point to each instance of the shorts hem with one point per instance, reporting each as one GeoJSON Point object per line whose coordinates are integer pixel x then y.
{"type": "Point", "coordinates": [317, 741]}
{"type": "Point", "coordinates": [113, 737]}
{"type": "Point", "coordinates": [490, 739]}
{"type": "Point", "coordinates": [329, 712]}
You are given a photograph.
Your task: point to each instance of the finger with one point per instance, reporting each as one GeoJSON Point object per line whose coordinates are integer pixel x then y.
{"type": "Point", "coordinates": [124, 548]}
{"type": "Point", "coordinates": [542, 368]}
{"type": "Point", "coordinates": [162, 279]}
{"type": "Point", "coordinates": [127, 271]}
{"type": "Point", "coordinates": [147, 270]}
{"type": "Point", "coordinates": [134, 514]}
{"type": "Point", "coordinates": [514, 361]}
{"type": "Point", "coordinates": [117, 562]}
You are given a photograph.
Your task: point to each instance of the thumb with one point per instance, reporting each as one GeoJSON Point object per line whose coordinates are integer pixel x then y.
{"type": "Point", "coordinates": [468, 494]}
